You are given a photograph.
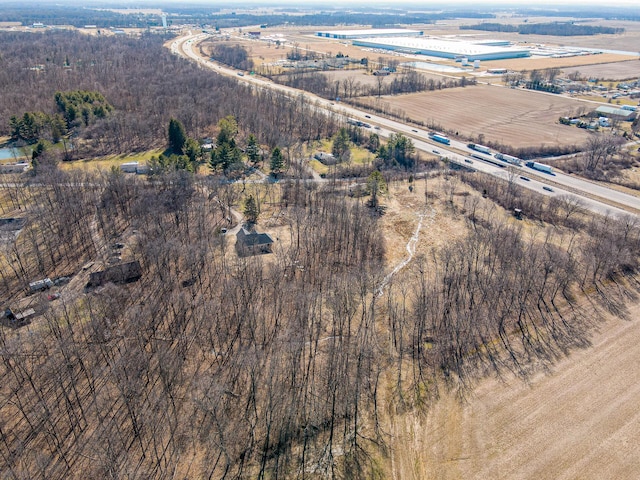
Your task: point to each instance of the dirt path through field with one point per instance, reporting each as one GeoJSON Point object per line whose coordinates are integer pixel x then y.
{"type": "Point", "coordinates": [580, 421]}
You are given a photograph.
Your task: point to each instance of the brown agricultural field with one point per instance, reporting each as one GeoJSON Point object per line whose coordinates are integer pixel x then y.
{"type": "Point", "coordinates": [541, 63]}
{"type": "Point", "coordinates": [609, 71]}
{"type": "Point", "coordinates": [508, 116]}
{"type": "Point", "coordinates": [580, 420]}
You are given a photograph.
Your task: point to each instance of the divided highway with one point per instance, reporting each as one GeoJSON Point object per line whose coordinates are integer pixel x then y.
{"type": "Point", "coordinates": [595, 197]}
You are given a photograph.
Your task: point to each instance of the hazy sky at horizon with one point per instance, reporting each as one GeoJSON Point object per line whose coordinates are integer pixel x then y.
{"type": "Point", "coordinates": [433, 5]}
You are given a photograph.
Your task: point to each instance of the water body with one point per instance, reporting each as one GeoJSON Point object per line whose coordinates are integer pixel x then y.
{"type": "Point", "coordinates": [436, 67]}
{"type": "Point", "coordinates": [11, 154]}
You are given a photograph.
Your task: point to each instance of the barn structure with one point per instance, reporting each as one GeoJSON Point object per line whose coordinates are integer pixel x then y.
{"type": "Point", "coordinates": [617, 113]}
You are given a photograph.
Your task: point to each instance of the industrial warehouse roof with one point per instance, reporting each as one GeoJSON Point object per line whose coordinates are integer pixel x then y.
{"type": "Point", "coordinates": [627, 114]}
{"type": "Point", "coordinates": [369, 32]}
{"type": "Point", "coordinates": [444, 48]}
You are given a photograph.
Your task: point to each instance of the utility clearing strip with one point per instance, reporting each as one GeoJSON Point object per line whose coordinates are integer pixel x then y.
{"type": "Point", "coordinates": [411, 249]}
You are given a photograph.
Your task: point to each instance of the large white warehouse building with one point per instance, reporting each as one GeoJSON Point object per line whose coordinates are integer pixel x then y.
{"type": "Point", "coordinates": [369, 32]}
{"type": "Point", "coordinates": [444, 48]}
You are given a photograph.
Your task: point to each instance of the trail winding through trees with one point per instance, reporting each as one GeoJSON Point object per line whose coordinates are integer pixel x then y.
{"type": "Point", "coordinates": [411, 249]}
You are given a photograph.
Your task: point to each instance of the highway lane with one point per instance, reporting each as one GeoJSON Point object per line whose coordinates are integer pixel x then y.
{"type": "Point", "coordinates": [596, 197]}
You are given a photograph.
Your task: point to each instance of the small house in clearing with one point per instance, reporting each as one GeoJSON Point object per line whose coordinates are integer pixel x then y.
{"type": "Point", "coordinates": [326, 158]}
{"type": "Point", "coordinates": [250, 242]}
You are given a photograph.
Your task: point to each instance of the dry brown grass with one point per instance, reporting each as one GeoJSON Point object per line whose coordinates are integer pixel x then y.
{"type": "Point", "coordinates": [609, 71]}
{"type": "Point", "coordinates": [505, 115]}
{"type": "Point", "coordinates": [519, 64]}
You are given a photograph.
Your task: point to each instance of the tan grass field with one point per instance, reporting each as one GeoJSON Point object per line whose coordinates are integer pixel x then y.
{"type": "Point", "coordinates": [505, 115]}
{"type": "Point", "coordinates": [609, 71]}
{"type": "Point", "coordinates": [539, 63]}
{"type": "Point", "coordinates": [578, 421]}
{"type": "Point", "coordinates": [105, 163]}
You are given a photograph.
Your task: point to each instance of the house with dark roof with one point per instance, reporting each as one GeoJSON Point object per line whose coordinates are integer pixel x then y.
{"type": "Point", "coordinates": [118, 274]}
{"type": "Point", "coordinates": [326, 158]}
{"type": "Point", "coordinates": [250, 242]}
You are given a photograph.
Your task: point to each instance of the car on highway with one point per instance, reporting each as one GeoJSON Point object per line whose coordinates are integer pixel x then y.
{"type": "Point", "coordinates": [416, 131]}
{"type": "Point", "coordinates": [526, 179]}
{"type": "Point", "coordinates": [437, 152]}
{"type": "Point", "coordinates": [240, 74]}
{"type": "Point", "coordinates": [548, 189]}
{"type": "Point", "coordinates": [367, 116]}
{"type": "Point", "coordinates": [377, 127]}
{"type": "Point", "coordinates": [468, 160]}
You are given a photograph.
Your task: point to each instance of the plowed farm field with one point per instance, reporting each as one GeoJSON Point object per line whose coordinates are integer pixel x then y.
{"type": "Point", "coordinates": [580, 420]}
{"type": "Point", "coordinates": [609, 71]}
{"type": "Point", "coordinates": [517, 117]}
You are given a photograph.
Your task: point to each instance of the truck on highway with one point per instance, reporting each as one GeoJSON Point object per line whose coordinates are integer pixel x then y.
{"type": "Point", "coordinates": [541, 167]}
{"type": "Point", "coordinates": [489, 159]}
{"type": "Point", "coordinates": [439, 138]}
{"type": "Point", "coordinates": [479, 148]}
{"type": "Point", "coordinates": [508, 159]}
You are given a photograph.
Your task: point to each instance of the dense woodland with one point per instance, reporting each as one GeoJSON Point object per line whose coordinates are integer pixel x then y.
{"type": "Point", "coordinates": [278, 366]}
{"type": "Point", "coordinates": [215, 366]}
{"type": "Point", "coordinates": [210, 15]}
{"type": "Point", "coordinates": [563, 29]}
{"type": "Point", "coordinates": [146, 85]}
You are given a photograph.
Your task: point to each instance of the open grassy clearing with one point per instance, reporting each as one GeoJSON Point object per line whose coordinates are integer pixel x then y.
{"type": "Point", "coordinates": [509, 116]}
{"type": "Point", "coordinates": [105, 163]}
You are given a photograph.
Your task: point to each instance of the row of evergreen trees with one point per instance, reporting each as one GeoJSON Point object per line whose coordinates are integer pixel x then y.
{"type": "Point", "coordinates": [226, 157]}
{"type": "Point", "coordinates": [78, 108]}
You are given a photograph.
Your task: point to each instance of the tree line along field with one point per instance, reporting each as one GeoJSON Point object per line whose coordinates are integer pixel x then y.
{"type": "Point", "coordinates": [215, 365]}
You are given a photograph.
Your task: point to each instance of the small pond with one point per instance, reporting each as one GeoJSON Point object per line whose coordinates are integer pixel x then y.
{"type": "Point", "coordinates": [9, 153]}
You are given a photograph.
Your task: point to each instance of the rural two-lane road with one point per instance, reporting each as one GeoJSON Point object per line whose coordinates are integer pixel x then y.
{"type": "Point", "coordinates": [595, 197]}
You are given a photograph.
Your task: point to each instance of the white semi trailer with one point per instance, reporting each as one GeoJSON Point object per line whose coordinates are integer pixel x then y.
{"type": "Point", "coordinates": [541, 167]}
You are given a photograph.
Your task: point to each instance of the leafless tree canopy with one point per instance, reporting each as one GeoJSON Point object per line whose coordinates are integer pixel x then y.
{"type": "Point", "coordinates": [279, 366]}
{"type": "Point", "coordinates": [147, 86]}
{"type": "Point", "coordinates": [224, 367]}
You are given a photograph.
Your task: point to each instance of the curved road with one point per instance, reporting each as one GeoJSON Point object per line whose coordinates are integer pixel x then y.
{"type": "Point", "coordinates": [593, 196]}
